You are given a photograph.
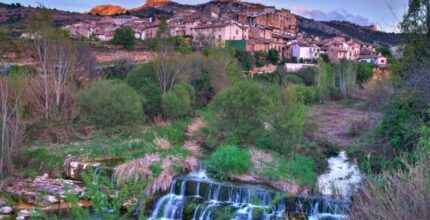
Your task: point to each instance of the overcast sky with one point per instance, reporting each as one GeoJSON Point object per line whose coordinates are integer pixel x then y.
{"type": "Point", "coordinates": [384, 13]}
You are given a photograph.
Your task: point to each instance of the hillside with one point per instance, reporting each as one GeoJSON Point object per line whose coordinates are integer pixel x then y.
{"type": "Point", "coordinates": [347, 29]}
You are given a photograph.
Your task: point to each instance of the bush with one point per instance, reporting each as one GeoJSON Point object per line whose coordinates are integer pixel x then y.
{"type": "Point", "coordinates": [110, 103]}
{"type": "Point", "coordinates": [307, 75]}
{"type": "Point", "coordinates": [177, 102]}
{"type": "Point", "coordinates": [402, 194]}
{"type": "Point", "coordinates": [141, 78]}
{"type": "Point", "coordinates": [302, 94]}
{"type": "Point", "coordinates": [293, 79]}
{"type": "Point", "coordinates": [118, 69]}
{"type": "Point", "coordinates": [237, 113]}
{"type": "Point", "coordinates": [228, 160]}
{"type": "Point", "coordinates": [245, 59]}
{"type": "Point", "coordinates": [400, 122]}
{"type": "Point", "coordinates": [365, 72]}
{"type": "Point", "coordinates": [273, 56]}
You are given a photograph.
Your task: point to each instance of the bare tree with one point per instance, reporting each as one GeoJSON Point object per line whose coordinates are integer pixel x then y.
{"type": "Point", "coordinates": [11, 125]}
{"type": "Point", "coordinates": [59, 62]}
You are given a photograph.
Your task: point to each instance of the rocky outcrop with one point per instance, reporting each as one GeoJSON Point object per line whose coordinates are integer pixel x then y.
{"type": "Point", "coordinates": [156, 3]}
{"type": "Point", "coordinates": [108, 10]}
{"type": "Point", "coordinates": [42, 191]}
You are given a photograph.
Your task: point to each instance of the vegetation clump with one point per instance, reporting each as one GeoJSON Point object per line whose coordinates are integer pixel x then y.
{"type": "Point", "coordinates": [110, 103]}
{"type": "Point", "coordinates": [229, 159]}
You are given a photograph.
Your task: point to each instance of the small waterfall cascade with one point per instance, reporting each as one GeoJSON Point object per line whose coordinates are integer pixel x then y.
{"type": "Point", "coordinates": [342, 178]}
{"type": "Point", "coordinates": [199, 198]}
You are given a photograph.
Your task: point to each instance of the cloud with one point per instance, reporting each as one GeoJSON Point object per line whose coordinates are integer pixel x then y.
{"type": "Point", "coordinates": [338, 15]}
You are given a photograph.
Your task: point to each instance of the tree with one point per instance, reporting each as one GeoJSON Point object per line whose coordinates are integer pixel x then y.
{"type": "Point", "coordinates": [177, 102]}
{"type": "Point", "coordinates": [346, 74]}
{"type": "Point", "coordinates": [417, 18]}
{"type": "Point", "coordinates": [58, 62]}
{"type": "Point", "coordinates": [237, 113]}
{"type": "Point", "coordinates": [273, 56]}
{"type": "Point", "coordinates": [12, 126]}
{"type": "Point", "coordinates": [365, 72]}
{"type": "Point", "coordinates": [124, 36]}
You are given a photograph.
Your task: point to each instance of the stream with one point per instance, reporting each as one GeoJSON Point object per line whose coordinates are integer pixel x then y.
{"type": "Point", "coordinates": [198, 197]}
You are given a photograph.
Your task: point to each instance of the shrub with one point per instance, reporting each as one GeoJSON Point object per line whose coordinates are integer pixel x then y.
{"type": "Point", "coordinates": [237, 113]}
{"type": "Point", "coordinates": [365, 72]}
{"type": "Point", "coordinates": [400, 122]}
{"type": "Point", "coordinates": [402, 194]}
{"type": "Point", "coordinates": [307, 75]}
{"type": "Point", "coordinates": [177, 102]}
{"type": "Point", "coordinates": [245, 59]}
{"type": "Point", "coordinates": [229, 159]}
{"type": "Point", "coordinates": [141, 78]}
{"type": "Point", "coordinates": [118, 69]}
{"type": "Point", "coordinates": [293, 79]}
{"type": "Point", "coordinates": [273, 56]}
{"type": "Point", "coordinates": [110, 103]}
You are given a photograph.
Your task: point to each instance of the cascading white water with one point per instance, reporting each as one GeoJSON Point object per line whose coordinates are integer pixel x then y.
{"type": "Point", "coordinates": [208, 198]}
{"type": "Point", "coordinates": [241, 202]}
{"type": "Point", "coordinates": [341, 178]}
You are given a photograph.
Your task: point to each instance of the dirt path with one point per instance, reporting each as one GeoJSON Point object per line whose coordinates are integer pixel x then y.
{"type": "Point", "coordinates": [338, 125]}
{"type": "Point", "coordinates": [192, 145]}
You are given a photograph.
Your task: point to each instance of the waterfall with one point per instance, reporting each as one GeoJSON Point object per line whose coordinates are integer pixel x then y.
{"type": "Point", "coordinates": [207, 199]}
{"type": "Point", "coordinates": [198, 197]}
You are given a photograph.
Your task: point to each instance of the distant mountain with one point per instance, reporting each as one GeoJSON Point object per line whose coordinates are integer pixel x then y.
{"type": "Point", "coordinates": [108, 10]}
{"type": "Point", "coordinates": [368, 34]}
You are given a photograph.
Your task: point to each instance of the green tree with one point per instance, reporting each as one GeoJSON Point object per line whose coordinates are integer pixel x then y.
{"type": "Point", "coordinates": [142, 79]}
{"type": "Point", "coordinates": [237, 113]}
{"type": "Point", "coordinates": [273, 56]}
{"type": "Point", "coordinates": [110, 103]}
{"type": "Point", "coordinates": [365, 72]}
{"type": "Point", "coordinates": [177, 102]}
{"type": "Point", "coordinates": [124, 36]}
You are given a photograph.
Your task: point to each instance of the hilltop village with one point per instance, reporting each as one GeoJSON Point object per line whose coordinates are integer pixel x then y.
{"type": "Point", "coordinates": [249, 26]}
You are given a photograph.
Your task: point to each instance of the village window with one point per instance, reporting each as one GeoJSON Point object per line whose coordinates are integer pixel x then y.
{"type": "Point", "coordinates": [237, 32]}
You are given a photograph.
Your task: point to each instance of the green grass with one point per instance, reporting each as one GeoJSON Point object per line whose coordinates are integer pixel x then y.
{"type": "Point", "coordinates": [125, 142]}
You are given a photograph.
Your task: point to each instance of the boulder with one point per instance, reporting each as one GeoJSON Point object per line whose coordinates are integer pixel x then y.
{"type": "Point", "coordinates": [6, 210]}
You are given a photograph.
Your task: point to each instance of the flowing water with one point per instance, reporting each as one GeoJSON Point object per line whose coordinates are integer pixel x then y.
{"type": "Point", "coordinates": [198, 197]}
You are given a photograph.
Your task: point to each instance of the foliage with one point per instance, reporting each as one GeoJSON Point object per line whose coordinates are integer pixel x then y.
{"type": "Point", "coordinates": [142, 79]}
{"type": "Point", "coordinates": [260, 57]}
{"type": "Point", "coordinates": [273, 56]}
{"type": "Point", "coordinates": [109, 103]}
{"type": "Point", "coordinates": [307, 75]}
{"type": "Point", "coordinates": [246, 59]}
{"type": "Point", "coordinates": [302, 169]}
{"type": "Point", "coordinates": [237, 113]}
{"type": "Point", "coordinates": [117, 70]}
{"type": "Point", "coordinates": [365, 72]}
{"type": "Point", "coordinates": [124, 36]}
{"type": "Point", "coordinates": [325, 79]}
{"type": "Point", "coordinates": [400, 194]}
{"type": "Point", "coordinates": [180, 45]}
{"type": "Point", "coordinates": [203, 87]}
{"type": "Point", "coordinates": [177, 102]}
{"type": "Point", "coordinates": [229, 159]}
{"type": "Point", "coordinates": [400, 122]}
{"type": "Point", "coordinates": [346, 76]}
{"type": "Point", "coordinates": [293, 79]}
{"type": "Point", "coordinates": [287, 119]}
